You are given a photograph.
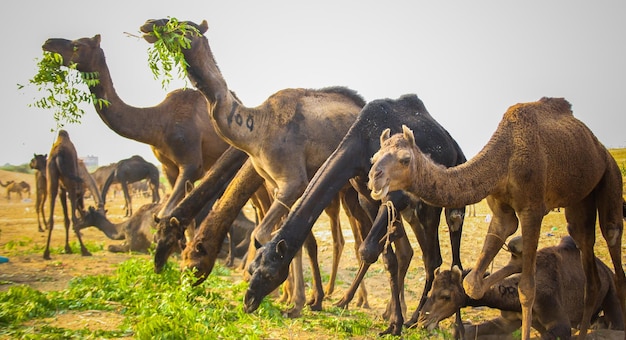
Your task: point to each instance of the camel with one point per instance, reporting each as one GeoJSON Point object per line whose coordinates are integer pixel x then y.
{"type": "Point", "coordinates": [38, 163]}
{"type": "Point", "coordinates": [16, 187]}
{"type": "Point", "coordinates": [131, 170]}
{"type": "Point", "coordinates": [178, 129]}
{"type": "Point", "coordinates": [62, 173]}
{"type": "Point", "coordinates": [287, 137]}
{"type": "Point", "coordinates": [101, 174]}
{"type": "Point", "coordinates": [90, 183]}
{"type": "Point", "coordinates": [539, 158]}
{"type": "Point", "coordinates": [559, 298]}
{"type": "Point", "coordinates": [349, 163]}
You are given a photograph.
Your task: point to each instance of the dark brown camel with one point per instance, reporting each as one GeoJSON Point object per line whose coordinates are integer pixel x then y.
{"type": "Point", "coordinates": [287, 137]}
{"type": "Point", "coordinates": [178, 130]}
{"type": "Point", "coordinates": [62, 173]}
{"type": "Point", "coordinates": [131, 170]}
{"type": "Point", "coordinates": [38, 163]}
{"type": "Point", "coordinates": [559, 298]}
{"type": "Point", "coordinates": [539, 158]}
{"type": "Point", "coordinates": [349, 164]}
{"type": "Point", "coordinates": [16, 187]}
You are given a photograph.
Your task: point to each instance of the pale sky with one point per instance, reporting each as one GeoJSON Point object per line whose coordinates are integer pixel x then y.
{"type": "Point", "coordinates": [467, 60]}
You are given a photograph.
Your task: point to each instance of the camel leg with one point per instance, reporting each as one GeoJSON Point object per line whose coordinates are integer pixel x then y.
{"type": "Point", "coordinates": [298, 286]}
{"type": "Point", "coordinates": [503, 224]}
{"type": "Point", "coordinates": [395, 318]}
{"type": "Point", "coordinates": [127, 198]}
{"type": "Point", "coordinates": [53, 188]}
{"type": "Point", "coordinates": [315, 303]}
{"type": "Point", "coordinates": [455, 218]}
{"type": "Point", "coordinates": [338, 241]}
{"type": "Point", "coordinates": [581, 220]}
{"type": "Point", "coordinates": [66, 220]}
{"type": "Point", "coordinates": [76, 204]}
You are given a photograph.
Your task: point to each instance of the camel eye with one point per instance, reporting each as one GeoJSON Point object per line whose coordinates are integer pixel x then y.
{"type": "Point", "coordinates": [445, 297]}
{"type": "Point", "coordinates": [405, 161]}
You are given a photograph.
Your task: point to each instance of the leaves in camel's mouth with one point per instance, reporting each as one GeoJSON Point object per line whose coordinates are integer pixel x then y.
{"type": "Point", "coordinates": [166, 52]}
{"type": "Point", "coordinates": [63, 88]}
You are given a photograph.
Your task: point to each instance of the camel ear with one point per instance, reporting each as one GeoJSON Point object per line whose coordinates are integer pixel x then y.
{"type": "Point", "coordinates": [188, 187]}
{"type": "Point", "coordinates": [199, 248]}
{"type": "Point", "coordinates": [175, 222]}
{"type": "Point", "coordinates": [96, 38]}
{"type": "Point", "coordinates": [156, 218]}
{"type": "Point", "coordinates": [204, 26]}
{"type": "Point", "coordinates": [385, 135]}
{"type": "Point", "coordinates": [457, 274]}
{"type": "Point", "coordinates": [437, 271]}
{"type": "Point", "coordinates": [408, 134]}
{"type": "Point", "coordinates": [281, 248]}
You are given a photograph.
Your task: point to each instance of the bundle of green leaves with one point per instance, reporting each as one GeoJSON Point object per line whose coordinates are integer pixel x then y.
{"type": "Point", "coordinates": [64, 89]}
{"type": "Point", "coordinates": [166, 52]}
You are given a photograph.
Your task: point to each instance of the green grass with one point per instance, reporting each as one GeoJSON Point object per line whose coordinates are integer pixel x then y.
{"type": "Point", "coordinates": [168, 306]}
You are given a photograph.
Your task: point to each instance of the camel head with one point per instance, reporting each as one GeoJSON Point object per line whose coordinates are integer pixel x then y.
{"type": "Point", "coordinates": [39, 162]}
{"type": "Point", "coordinates": [81, 51]}
{"type": "Point", "coordinates": [148, 28]}
{"type": "Point", "coordinates": [444, 299]}
{"type": "Point", "coordinates": [196, 257]}
{"type": "Point", "coordinates": [169, 237]}
{"type": "Point", "coordinates": [391, 165]}
{"type": "Point", "coordinates": [267, 272]}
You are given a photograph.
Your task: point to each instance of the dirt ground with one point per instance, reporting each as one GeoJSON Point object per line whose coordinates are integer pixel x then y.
{"type": "Point", "coordinates": [18, 230]}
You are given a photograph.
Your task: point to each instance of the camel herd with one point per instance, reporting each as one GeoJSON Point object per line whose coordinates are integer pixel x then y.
{"type": "Point", "coordinates": [386, 162]}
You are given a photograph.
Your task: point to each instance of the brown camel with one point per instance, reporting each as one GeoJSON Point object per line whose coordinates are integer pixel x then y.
{"type": "Point", "coordinates": [101, 174]}
{"type": "Point", "coordinates": [63, 173]}
{"type": "Point", "coordinates": [559, 298]}
{"type": "Point", "coordinates": [539, 158]}
{"type": "Point", "coordinates": [132, 170]}
{"type": "Point", "coordinates": [178, 130]}
{"type": "Point", "coordinates": [16, 187]}
{"type": "Point", "coordinates": [38, 163]}
{"type": "Point", "coordinates": [287, 137]}
{"type": "Point", "coordinates": [90, 183]}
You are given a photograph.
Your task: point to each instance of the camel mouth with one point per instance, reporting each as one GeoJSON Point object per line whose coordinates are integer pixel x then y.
{"type": "Point", "coordinates": [378, 194]}
{"type": "Point", "coordinates": [250, 303]}
{"type": "Point", "coordinates": [149, 38]}
{"type": "Point", "coordinates": [428, 322]}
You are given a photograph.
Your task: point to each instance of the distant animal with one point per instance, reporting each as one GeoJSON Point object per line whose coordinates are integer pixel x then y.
{"type": "Point", "coordinates": [63, 173]}
{"type": "Point", "coordinates": [16, 187]}
{"type": "Point", "coordinates": [38, 163]}
{"type": "Point", "coordinates": [559, 300]}
{"type": "Point", "coordinates": [539, 158]}
{"type": "Point", "coordinates": [132, 170]}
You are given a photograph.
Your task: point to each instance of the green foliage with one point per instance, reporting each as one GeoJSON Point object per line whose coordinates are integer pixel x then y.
{"type": "Point", "coordinates": [64, 89]}
{"type": "Point", "coordinates": [22, 168]}
{"type": "Point", "coordinates": [167, 51]}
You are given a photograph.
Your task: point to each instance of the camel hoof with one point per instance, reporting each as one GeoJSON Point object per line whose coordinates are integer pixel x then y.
{"type": "Point", "coordinates": [47, 257]}
{"type": "Point", "coordinates": [315, 305]}
{"type": "Point", "coordinates": [86, 253]}
{"type": "Point", "coordinates": [293, 313]}
{"type": "Point", "coordinates": [393, 329]}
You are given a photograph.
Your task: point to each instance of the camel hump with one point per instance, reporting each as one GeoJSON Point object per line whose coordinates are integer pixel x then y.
{"type": "Point", "coordinates": [347, 92]}
{"type": "Point", "coordinates": [412, 101]}
{"type": "Point", "coordinates": [557, 105]}
{"type": "Point", "coordinates": [568, 243]}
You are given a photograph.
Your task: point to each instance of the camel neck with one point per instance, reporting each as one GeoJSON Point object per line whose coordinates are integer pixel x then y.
{"type": "Point", "coordinates": [234, 122]}
{"type": "Point", "coordinates": [120, 117]}
{"type": "Point", "coordinates": [465, 184]}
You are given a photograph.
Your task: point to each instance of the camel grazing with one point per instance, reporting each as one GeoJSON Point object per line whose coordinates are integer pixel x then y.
{"type": "Point", "coordinates": [350, 163]}
{"type": "Point", "coordinates": [90, 183]}
{"type": "Point", "coordinates": [131, 170]}
{"type": "Point", "coordinates": [16, 187]}
{"type": "Point", "coordinates": [560, 282]}
{"type": "Point", "coordinates": [178, 129]}
{"type": "Point", "coordinates": [62, 173]}
{"type": "Point", "coordinates": [38, 163]}
{"type": "Point", "coordinates": [287, 137]}
{"type": "Point", "coordinates": [539, 158]}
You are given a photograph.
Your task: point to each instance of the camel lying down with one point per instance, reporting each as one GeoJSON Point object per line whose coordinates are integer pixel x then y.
{"type": "Point", "coordinates": [558, 306]}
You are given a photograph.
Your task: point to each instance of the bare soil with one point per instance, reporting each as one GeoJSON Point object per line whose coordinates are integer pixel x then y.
{"type": "Point", "coordinates": [18, 233]}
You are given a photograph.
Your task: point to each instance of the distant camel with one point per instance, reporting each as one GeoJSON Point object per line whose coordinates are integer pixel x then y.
{"type": "Point", "coordinates": [559, 299]}
{"type": "Point", "coordinates": [16, 187]}
{"type": "Point", "coordinates": [132, 170]}
{"type": "Point", "coordinates": [63, 173]}
{"type": "Point", "coordinates": [38, 163]}
{"type": "Point", "coordinates": [539, 158]}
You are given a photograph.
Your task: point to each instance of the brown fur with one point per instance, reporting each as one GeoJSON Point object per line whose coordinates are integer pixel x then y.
{"type": "Point", "coordinates": [178, 129]}
{"type": "Point", "coordinates": [559, 299]}
{"type": "Point", "coordinates": [287, 137]}
{"type": "Point", "coordinates": [132, 170]}
{"type": "Point", "coordinates": [539, 158]}
{"type": "Point", "coordinates": [62, 173]}
{"type": "Point", "coordinates": [38, 163]}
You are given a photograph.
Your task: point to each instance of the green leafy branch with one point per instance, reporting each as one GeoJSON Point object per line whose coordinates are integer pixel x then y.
{"type": "Point", "coordinates": [63, 86]}
{"type": "Point", "coordinates": [167, 51]}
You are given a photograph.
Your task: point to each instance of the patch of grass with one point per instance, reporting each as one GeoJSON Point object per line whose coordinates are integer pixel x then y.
{"type": "Point", "coordinates": [168, 305]}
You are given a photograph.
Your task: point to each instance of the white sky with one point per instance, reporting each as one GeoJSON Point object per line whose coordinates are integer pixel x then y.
{"type": "Point", "coordinates": [467, 60]}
